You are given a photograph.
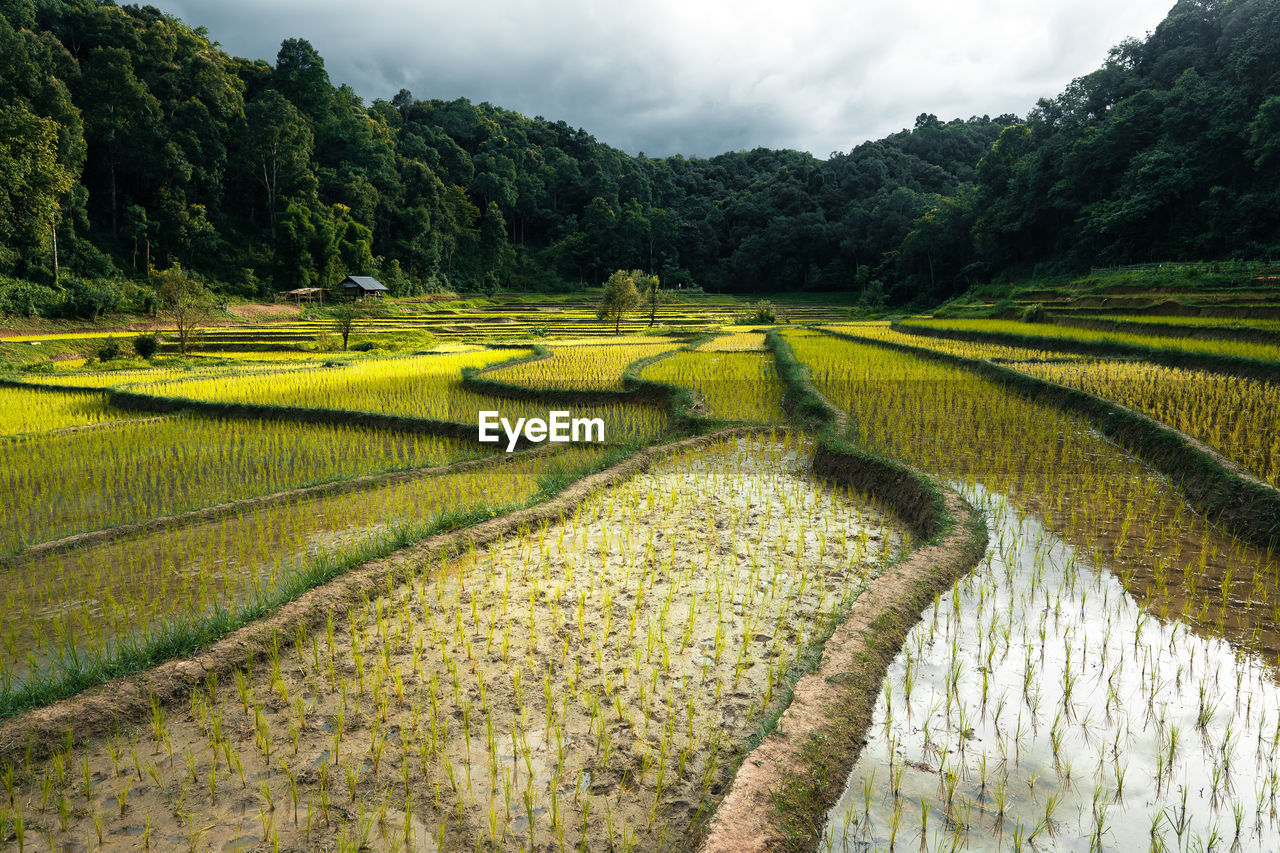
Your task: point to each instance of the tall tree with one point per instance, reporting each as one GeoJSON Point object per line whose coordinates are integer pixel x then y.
{"type": "Point", "coordinates": [277, 151]}
{"type": "Point", "coordinates": [620, 297]}
{"type": "Point", "coordinates": [32, 181]}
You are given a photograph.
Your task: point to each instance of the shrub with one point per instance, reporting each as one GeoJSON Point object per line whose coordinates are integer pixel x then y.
{"type": "Point", "coordinates": [146, 344]}
{"type": "Point", "coordinates": [1034, 314]}
{"type": "Point", "coordinates": [327, 342]}
{"type": "Point", "coordinates": [760, 312]}
{"type": "Point", "coordinates": [108, 349]}
{"type": "Point", "coordinates": [89, 298]}
{"type": "Point", "coordinates": [28, 299]}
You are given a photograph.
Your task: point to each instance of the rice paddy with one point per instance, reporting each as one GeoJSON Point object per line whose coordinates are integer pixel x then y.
{"type": "Point", "coordinates": [1038, 707]}
{"type": "Point", "coordinates": [735, 342]}
{"type": "Point", "coordinates": [596, 679]}
{"type": "Point", "coordinates": [597, 367]}
{"type": "Point", "coordinates": [1181, 343]}
{"type": "Point", "coordinates": [58, 485]}
{"type": "Point", "coordinates": [585, 684]}
{"type": "Point", "coordinates": [417, 386]}
{"type": "Point", "coordinates": [952, 346]}
{"type": "Point", "coordinates": [32, 411]}
{"type": "Point", "coordinates": [733, 385]}
{"type": "Point", "coordinates": [1234, 415]}
{"type": "Point", "coordinates": [1120, 513]}
{"type": "Point", "coordinates": [64, 607]}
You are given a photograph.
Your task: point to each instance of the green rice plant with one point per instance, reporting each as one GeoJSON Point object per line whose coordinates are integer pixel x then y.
{"type": "Point", "coordinates": [739, 386]}
{"type": "Point", "coordinates": [57, 485]}
{"type": "Point", "coordinates": [24, 410]}
{"type": "Point", "coordinates": [1048, 333]}
{"type": "Point", "coordinates": [597, 367]}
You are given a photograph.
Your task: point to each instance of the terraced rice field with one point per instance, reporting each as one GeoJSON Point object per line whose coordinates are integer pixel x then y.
{"type": "Point", "coordinates": [1234, 415]}
{"type": "Point", "coordinates": [1180, 343]}
{"type": "Point", "coordinates": [67, 605]}
{"type": "Point", "coordinates": [282, 600]}
{"type": "Point", "coordinates": [585, 681]}
{"type": "Point", "coordinates": [597, 367]}
{"type": "Point", "coordinates": [58, 485]}
{"type": "Point", "coordinates": [29, 411]}
{"type": "Point", "coordinates": [733, 385]}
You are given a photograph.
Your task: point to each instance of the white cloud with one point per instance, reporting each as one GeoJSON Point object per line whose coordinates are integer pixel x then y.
{"type": "Point", "coordinates": [699, 78]}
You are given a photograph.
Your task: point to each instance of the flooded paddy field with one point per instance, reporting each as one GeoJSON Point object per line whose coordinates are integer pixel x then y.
{"type": "Point", "coordinates": [1105, 681]}
{"type": "Point", "coordinates": [589, 683]}
{"type": "Point", "coordinates": [1037, 706]}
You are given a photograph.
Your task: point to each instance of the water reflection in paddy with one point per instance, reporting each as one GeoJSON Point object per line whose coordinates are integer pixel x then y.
{"type": "Point", "coordinates": [1037, 706]}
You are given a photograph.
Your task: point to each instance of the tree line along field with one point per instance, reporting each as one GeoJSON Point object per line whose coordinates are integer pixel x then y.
{"type": "Point", "coordinates": [294, 604]}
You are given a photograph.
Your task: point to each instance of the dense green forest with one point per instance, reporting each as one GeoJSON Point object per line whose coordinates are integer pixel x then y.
{"type": "Point", "coordinates": [129, 142]}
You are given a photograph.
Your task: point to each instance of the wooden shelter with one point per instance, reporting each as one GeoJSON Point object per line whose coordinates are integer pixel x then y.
{"type": "Point", "coordinates": [306, 294]}
{"type": "Point", "coordinates": [360, 286]}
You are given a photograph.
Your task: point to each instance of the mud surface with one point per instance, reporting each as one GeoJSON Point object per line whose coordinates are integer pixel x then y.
{"type": "Point", "coordinates": [587, 682]}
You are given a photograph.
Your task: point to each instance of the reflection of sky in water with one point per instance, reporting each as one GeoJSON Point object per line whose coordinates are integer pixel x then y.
{"type": "Point", "coordinates": [1166, 737]}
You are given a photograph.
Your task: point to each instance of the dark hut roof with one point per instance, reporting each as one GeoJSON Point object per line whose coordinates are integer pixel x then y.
{"type": "Point", "coordinates": [364, 282]}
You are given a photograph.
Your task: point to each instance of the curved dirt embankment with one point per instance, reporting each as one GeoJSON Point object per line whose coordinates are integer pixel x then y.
{"type": "Point", "coordinates": [1219, 489]}
{"type": "Point", "coordinates": [781, 794]}
{"type": "Point", "coordinates": [784, 788]}
{"type": "Point", "coordinates": [37, 733]}
{"type": "Point", "coordinates": [216, 511]}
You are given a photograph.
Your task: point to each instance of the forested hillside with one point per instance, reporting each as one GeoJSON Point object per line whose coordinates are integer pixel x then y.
{"type": "Point", "coordinates": [129, 141]}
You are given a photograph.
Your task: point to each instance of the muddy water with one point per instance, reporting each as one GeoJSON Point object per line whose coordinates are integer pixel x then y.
{"type": "Point", "coordinates": [589, 683]}
{"type": "Point", "coordinates": [1038, 707]}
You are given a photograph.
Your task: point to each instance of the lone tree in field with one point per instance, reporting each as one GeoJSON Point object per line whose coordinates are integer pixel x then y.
{"type": "Point", "coordinates": [345, 317]}
{"type": "Point", "coordinates": [187, 302]}
{"type": "Point", "coordinates": [651, 292]}
{"type": "Point", "coordinates": [620, 296]}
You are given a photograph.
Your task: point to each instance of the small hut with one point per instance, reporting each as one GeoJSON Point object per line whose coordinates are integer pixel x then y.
{"type": "Point", "coordinates": [360, 286]}
{"type": "Point", "coordinates": [306, 294]}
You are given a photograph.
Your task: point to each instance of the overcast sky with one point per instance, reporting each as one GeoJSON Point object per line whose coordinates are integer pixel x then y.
{"type": "Point", "coordinates": [699, 77]}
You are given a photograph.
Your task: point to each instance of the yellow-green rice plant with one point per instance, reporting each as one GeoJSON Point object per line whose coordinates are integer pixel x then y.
{"type": "Point", "coordinates": [740, 386]}
{"type": "Point", "coordinates": [596, 367]}
{"type": "Point", "coordinates": [53, 486]}
{"type": "Point", "coordinates": [752, 341]}
{"type": "Point", "coordinates": [1238, 349]}
{"type": "Point", "coordinates": [31, 411]}
{"type": "Point", "coordinates": [1238, 417]}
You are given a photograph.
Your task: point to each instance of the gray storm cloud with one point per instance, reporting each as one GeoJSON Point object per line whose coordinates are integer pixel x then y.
{"type": "Point", "coordinates": [700, 78]}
